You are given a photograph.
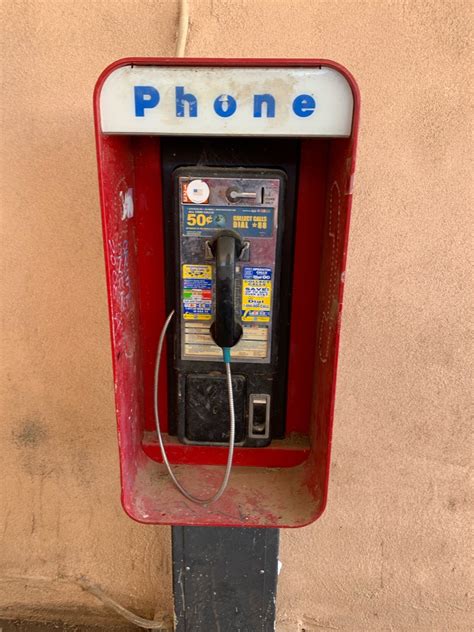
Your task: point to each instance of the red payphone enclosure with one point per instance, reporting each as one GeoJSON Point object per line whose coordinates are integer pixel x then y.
{"type": "Point", "coordinates": [286, 483]}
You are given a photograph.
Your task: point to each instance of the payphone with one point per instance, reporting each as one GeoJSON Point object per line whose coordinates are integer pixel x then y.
{"type": "Point", "coordinates": [226, 188]}
{"type": "Point", "coordinates": [228, 237]}
{"type": "Point", "coordinates": [226, 267]}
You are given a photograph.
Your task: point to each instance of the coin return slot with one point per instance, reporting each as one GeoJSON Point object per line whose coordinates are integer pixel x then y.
{"type": "Point", "coordinates": [259, 416]}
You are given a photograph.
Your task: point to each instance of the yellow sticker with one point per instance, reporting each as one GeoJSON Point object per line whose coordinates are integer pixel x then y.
{"type": "Point", "coordinates": [197, 292]}
{"type": "Point", "coordinates": [197, 272]}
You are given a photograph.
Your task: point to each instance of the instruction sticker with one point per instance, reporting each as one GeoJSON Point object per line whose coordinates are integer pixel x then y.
{"type": "Point", "coordinates": [256, 294]}
{"type": "Point", "coordinates": [202, 221]}
{"type": "Point", "coordinates": [197, 292]}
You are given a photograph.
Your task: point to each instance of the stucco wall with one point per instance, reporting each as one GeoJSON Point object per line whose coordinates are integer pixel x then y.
{"type": "Point", "coordinates": [391, 551]}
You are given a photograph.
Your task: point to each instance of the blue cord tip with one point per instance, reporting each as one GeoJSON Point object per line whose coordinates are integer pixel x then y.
{"type": "Point", "coordinates": [226, 354]}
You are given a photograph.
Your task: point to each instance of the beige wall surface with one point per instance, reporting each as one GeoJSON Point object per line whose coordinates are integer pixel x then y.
{"type": "Point", "coordinates": [391, 551]}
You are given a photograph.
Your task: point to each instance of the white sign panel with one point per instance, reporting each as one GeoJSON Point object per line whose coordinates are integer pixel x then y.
{"type": "Point", "coordinates": [226, 101]}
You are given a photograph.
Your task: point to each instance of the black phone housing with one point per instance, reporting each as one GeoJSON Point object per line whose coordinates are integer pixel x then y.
{"type": "Point", "coordinates": [198, 402]}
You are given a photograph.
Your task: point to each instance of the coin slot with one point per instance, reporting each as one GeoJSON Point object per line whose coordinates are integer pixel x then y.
{"type": "Point", "coordinates": [259, 416]}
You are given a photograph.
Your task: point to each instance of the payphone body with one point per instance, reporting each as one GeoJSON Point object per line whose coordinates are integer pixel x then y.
{"type": "Point", "coordinates": [279, 178]}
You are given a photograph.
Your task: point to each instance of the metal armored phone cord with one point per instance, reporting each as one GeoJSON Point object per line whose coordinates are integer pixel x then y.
{"type": "Point", "coordinates": [230, 454]}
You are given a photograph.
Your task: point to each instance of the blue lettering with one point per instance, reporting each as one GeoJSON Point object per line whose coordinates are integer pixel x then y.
{"type": "Point", "coordinates": [181, 99]}
{"type": "Point", "coordinates": [259, 100]}
{"type": "Point", "coordinates": [225, 105]}
{"type": "Point", "coordinates": [304, 105]}
{"type": "Point", "coordinates": [146, 97]}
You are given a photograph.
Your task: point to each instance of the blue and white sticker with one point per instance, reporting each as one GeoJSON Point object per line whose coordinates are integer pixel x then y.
{"type": "Point", "coordinates": [256, 294]}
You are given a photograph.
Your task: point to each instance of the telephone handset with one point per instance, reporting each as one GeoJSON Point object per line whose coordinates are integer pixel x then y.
{"type": "Point", "coordinates": [227, 230]}
{"type": "Point", "coordinates": [226, 330]}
